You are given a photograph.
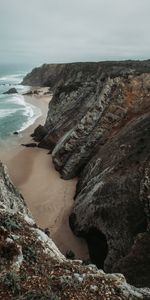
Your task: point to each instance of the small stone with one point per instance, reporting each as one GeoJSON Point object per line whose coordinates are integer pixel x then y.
{"type": "Point", "coordinates": [94, 288]}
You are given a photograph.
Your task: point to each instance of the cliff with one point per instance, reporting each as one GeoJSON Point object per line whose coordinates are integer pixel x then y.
{"type": "Point", "coordinates": [33, 268]}
{"type": "Point", "coordinates": [98, 128]}
{"type": "Point", "coordinates": [53, 74]}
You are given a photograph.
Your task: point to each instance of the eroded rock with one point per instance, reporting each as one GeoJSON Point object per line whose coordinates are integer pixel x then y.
{"type": "Point", "coordinates": [99, 125]}
{"type": "Point", "coordinates": [36, 269]}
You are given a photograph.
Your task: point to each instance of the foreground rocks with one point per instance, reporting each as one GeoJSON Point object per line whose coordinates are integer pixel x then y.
{"type": "Point", "coordinates": [33, 268]}
{"type": "Point", "coordinates": [98, 128]}
{"type": "Point", "coordinates": [31, 92]}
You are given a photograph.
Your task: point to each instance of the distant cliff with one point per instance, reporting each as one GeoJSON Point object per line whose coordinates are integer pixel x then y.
{"type": "Point", "coordinates": [54, 74]}
{"type": "Point", "coordinates": [98, 128]}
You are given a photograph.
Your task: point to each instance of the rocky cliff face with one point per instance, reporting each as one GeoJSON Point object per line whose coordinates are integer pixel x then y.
{"type": "Point", "coordinates": [98, 128]}
{"type": "Point", "coordinates": [31, 266]}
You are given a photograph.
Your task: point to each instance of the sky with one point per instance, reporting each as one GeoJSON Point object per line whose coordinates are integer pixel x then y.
{"type": "Point", "coordinates": [53, 31]}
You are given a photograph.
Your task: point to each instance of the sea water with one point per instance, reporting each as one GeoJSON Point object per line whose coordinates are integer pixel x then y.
{"type": "Point", "coordinates": [16, 114]}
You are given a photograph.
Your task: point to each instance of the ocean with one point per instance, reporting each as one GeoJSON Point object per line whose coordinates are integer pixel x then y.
{"type": "Point", "coordinates": [16, 114]}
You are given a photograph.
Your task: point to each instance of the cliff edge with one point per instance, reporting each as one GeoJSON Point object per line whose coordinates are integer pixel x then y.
{"type": "Point", "coordinates": [33, 268]}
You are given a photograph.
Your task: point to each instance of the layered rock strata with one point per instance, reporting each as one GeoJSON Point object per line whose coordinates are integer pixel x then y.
{"type": "Point", "coordinates": [98, 128]}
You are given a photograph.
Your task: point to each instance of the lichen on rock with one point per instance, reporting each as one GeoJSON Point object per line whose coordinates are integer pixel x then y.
{"type": "Point", "coordinates": [31, 266]}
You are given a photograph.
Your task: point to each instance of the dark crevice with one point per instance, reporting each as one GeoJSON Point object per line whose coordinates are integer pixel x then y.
{"type": "Point", "coordinates": [98, 247]}
{"type": "Point", "coordinates": [96, 241]}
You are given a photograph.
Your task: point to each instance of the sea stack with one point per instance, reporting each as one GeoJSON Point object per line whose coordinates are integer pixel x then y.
{"type": "Point", "coordinates": [11, 91]}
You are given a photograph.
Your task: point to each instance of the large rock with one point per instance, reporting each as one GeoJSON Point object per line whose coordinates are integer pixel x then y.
{"type": "Point", "coordinates": [136, 264]}
{"type": "Point", "coordinates": [99, 125]}
{"type": "Point", "coordinates": [11, 91]}
{"type": "Point", "coordinates": [109, 197]}
{"type": "Point", "coordinates": [33, 268]}
{"type": "Point", "coordinates": [39, 133]}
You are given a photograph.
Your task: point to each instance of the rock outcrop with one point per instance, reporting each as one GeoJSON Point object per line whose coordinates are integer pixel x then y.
{"type": "Point", "coordinates": [33, 268]}
{"type": "Point", "coordinates": [98, 128]}
{"type": "Point", "coordinates": [11, 91]}
{"type": "Point", "coordinates": [53, 74]}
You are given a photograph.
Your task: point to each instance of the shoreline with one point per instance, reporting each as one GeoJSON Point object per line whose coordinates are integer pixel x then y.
{"type": "Point", "coordinates": [48, 197]}
{"type": "Point", "coordinates": [23, 136]}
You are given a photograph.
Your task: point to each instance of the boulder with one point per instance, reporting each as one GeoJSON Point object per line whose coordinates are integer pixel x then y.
{"type": "Point", "coordinates": [28, 93]}
{"type": "Point", "coordinates": [11, 91]}
{"type": "Point", "coordinates": [39, 133]}
{"type": "Point", "coordinates": [32, 145]}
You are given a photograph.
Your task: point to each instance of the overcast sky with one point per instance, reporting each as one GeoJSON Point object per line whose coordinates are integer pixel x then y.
{"type": "Point", "coordinates": [38, 31]}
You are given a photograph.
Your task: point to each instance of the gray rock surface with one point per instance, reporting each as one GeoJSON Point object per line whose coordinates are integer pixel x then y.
{"type": "Point", "coordinates": [98, 128]}
{"type": "Point", "coordinates": [33, 268]}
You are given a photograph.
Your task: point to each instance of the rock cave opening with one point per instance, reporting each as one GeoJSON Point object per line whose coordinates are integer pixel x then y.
{"type": "Point", "coordinates": [98, 247]}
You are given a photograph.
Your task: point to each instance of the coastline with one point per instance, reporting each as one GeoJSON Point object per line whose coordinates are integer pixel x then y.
{"type": "Point", "coordinates": [48, 197]}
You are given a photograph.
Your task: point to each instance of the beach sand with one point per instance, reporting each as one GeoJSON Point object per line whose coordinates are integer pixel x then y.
{"type": "Point", "coordinates": [49, 198]}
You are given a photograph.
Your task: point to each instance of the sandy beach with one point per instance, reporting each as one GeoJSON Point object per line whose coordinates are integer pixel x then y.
{"type": "Point", "coordinates": [48, 197]}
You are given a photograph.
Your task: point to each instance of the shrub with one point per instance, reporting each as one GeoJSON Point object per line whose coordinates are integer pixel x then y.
{"type": "Point", "coordinates": [39, 295]}
{"type": "Point", "coordinates": [29, 254]}
{"type": "Point", "coordinates": [9, 223]}
{"type": "Point", "coordinates": [8, 250]}
{"type": "Point", "coordinates": [12, 282]}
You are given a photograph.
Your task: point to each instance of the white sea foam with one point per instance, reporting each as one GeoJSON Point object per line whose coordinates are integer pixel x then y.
{"type": "Point", "coordinates": [32, 112]}
{"type": "Point", "coordinates": [15, 78]}
{"type": "Point", "coordinates": [7, 112]}
{"type": "Point", "coordinates": [29, 110]}
{"type": "Point", "coordinates": [17, 99]}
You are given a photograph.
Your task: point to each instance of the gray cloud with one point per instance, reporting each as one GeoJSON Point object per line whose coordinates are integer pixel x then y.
{"type": "Point", "coordinates": [39, 31]}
